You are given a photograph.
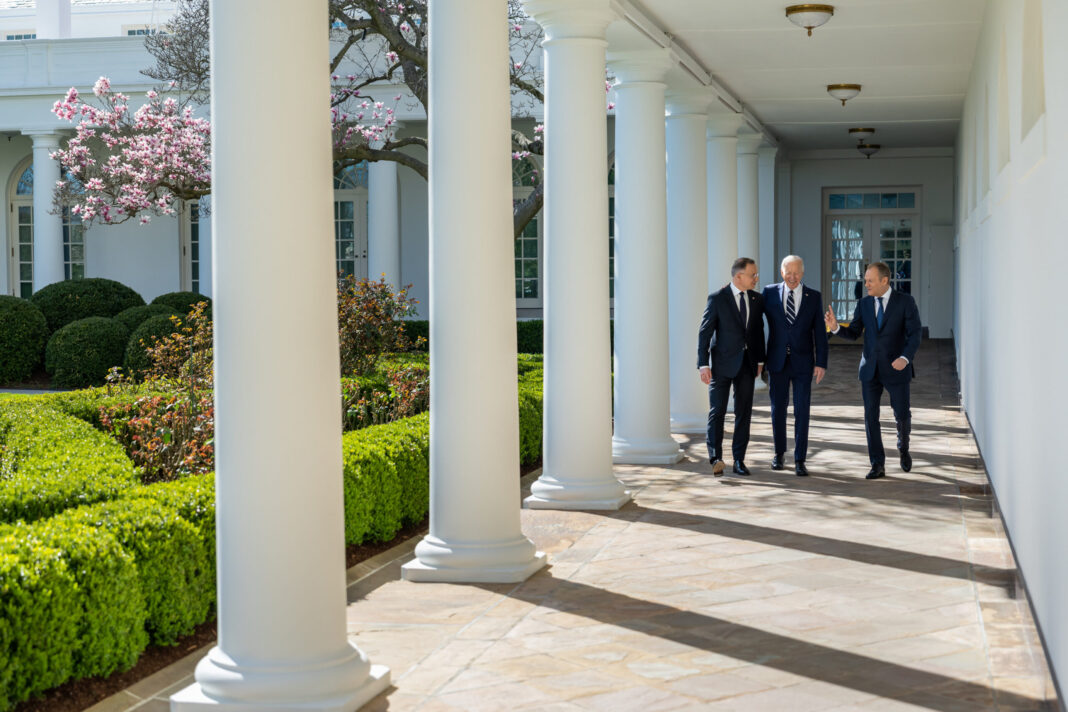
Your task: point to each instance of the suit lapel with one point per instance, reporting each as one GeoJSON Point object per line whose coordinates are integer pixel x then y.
{"type": "Point", "coordinates": [734, 306]}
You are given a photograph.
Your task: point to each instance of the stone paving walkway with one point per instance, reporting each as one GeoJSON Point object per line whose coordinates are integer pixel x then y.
{"type": "Point", "coordinates": [765, 593]}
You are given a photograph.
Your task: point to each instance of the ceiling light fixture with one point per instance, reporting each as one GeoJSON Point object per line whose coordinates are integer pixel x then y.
{"type": "Point", "coordinates": [861, 134]}
{"type": "Point", "coordinates": [809, 16]}
{"type": "Point", "coordinates": [868, 148]}
{"type": "Point", "coordinates": [843, 92]}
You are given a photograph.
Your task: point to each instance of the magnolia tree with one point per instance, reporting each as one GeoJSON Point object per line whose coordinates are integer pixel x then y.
{"type": "Point", "coordinates": [124, 164]}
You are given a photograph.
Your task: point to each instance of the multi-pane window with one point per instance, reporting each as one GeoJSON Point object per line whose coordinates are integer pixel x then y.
{"type": "Point", "coordinates": [871, 201]}
{"type": "Point", "coordinates": [350, 219]}
{"type": "Point", "coordinates": [24, 258]}
{"type": "Point", "coordinates": [895, 249]}
{"type": "Point", "coordinates": [21, 35]}
{"type": "Point", "coordinates": [525, 178]}
{"type": "Point", "coordinates": [141, 30]}
{"type": "Point", "coordinates": [612, 232]}
{"type": "Point", "coordinates": [847, 265]}
{"type": "Point", "coordinates": [194, 247]}
{"type": "Point", "coordinates": [73, 246]}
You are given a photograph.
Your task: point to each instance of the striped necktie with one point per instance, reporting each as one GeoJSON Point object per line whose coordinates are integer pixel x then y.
{"type": "Point", "coordinates": [791, 308]}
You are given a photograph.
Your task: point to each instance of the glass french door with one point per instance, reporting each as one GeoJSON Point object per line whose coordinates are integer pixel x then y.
{"type": "Point", "coordinates": [858, 240]}
{"type": "Point", "coordinates": [20, 276]}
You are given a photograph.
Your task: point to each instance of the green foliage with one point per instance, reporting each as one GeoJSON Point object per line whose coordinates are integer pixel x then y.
{"type": "Point", "coordinates": [40, 617]}
{"type": "Point", "coordinates": [50, 461]}
{"type": "Point", "coordinates": [368, 318]}
{"type": "Point", "coordinates": [186, 355]}
{"type": "Point", "coordinates": [167, 436]}
{"type": "Point", "coordinates": [72, 300]}
{"type": "Point", "coordinates": [530, 408]}
{"type": "Point", "coordinates": [386, 478]}
{"type": "Point", "coordinates": [133, 317]}
{"type": "Point", "coordinates": [529, 338]}
{"type": "Point", "coordinates": [151, 331]}
{"type": "Point", "coordinates": [23, 333]}
{"type": "Point", "coordinates": [111, 628]}
{"type": "Point", "coordinates": [80, 353]}
{"type": "Point", "coordinates": [194, 499]}
{"type": "Point", "coordinates": [418, 331]}
{"type": "Point", "coordinates": [172, 564]}
{"type": "Point", "coordinates": [398, 390]}
{"type": "Point", "coordinates": [182, 302]}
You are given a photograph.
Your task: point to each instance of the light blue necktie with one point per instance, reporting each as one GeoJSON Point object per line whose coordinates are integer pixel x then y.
{"type": "Point", "coordinates": [879, 312]}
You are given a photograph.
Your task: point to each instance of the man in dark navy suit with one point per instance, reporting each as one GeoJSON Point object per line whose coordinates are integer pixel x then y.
{"type": "Point", "coordinates": [730, 352]}
{"type": "Point", "coordinates": [797, 351]}
{"type": "Point", "coordinates": [890, 323]}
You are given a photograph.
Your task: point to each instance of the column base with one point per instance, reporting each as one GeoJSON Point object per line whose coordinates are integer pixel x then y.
{"type": "Point", "coordinates": [439, 561]}
{"type": "Point", "coordinates": [277, 690]}
{"type": "Point", "coordinates": [691, 424]}
{"type": "Point", "coordinates": [550, 493]}
{"type": "Point", "coordinates": [646, 452]}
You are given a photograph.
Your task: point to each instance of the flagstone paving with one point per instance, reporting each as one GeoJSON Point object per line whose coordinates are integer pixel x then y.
{"type": "Point", "coordinates": [771, 592]}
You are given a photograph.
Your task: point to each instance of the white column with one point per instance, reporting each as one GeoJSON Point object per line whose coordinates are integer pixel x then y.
{"type": "Point", "coordinates": [53, 19]}
{"type": "Point", "coordinates": [577, 419]}
{"type": "Point", "coordinates": [642, 411]}
{"type": "Point", "coordinates": [687, 226]}
{"type": "Point", "coordinates": [769, 260]}
{"type": "Point", "coordinates": [383, 222]}
{"type": "Point", "coordinates": [282, 641]}
{"type": "Point", "coordinates": [722, 197]}
{"type": "Point", "coordinates": [474, 414]}
{"type": "Point", "coordinates": [748, 204]}
{"type": "Point", "coordinates": [47, 228]}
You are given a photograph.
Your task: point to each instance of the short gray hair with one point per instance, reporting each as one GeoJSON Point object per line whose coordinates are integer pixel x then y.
{"type": "Point", "coordinates": [791, 258]}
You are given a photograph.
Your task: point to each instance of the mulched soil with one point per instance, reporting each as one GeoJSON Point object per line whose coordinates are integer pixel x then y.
{"type": "Point", "coordinates": [81, 694]}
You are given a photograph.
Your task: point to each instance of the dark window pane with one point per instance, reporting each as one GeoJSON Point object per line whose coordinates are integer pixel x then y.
{"type": "Point", "coordinates": [905, 287]}
{"type": "Point", "coordinates": [518, 247]}
{"type": "Point", "coordinates": [194, 251]}
{"type": "Point", "coordinates": [889, 200]}
{"type": "Point", "coordinates": [871, 200]}
{"type": "Point", "coordinates": [854, 200]}
{"type": "Point", "coordinates": [518, 286]}
{"type": "Point", "coordinates": [906, 200]}
{"type": "Point", "coordinates": [25, 290]}
{"type": "Point", "coordinates": [530, 268]}
{"type": "Point", "coordinates": [836, 201]}
{"type": "Point", "coordinates": [77, 271]}
{"type": "Point", "coordinates": [530, 248]}
{"type": "Point", "coordinates": [519, 268]}
{"type": "Point", "coordinates": [26, 272]}
{"type": "Point", "coordinates": [25, 253]}
{"type": "Point", "coordinates": [530, 289]}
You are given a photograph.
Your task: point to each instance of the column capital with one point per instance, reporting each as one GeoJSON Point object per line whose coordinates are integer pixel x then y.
{"type": "Point", "coordinates": [571, 19]}
{"type": "Point", "coordinates": [689, 102]}
{"type": "Point", "coordinates": [748, 143]}
{"type": "Point", "coordinates": [724, 125]}
{"type": "Point", "coordinates": [43, 138]}
{"type": "Point", "coordinates": [768, 153]}
{"type": "Point", "coordinates": [640, 66]}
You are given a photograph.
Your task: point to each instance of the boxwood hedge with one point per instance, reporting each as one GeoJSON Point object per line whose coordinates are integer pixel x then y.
{"type": "Point", "coordinates": [23, 332]}
{"type": "Point", "coordinates": [71, 300]}
{"type": "Point", "coordinates": [81, 353]}
{"type": "Point", "coordinates": [131, 318]}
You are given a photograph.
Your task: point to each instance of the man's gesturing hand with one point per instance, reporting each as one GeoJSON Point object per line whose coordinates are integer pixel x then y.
{"type": "Point", "coordinates": [830, 320]}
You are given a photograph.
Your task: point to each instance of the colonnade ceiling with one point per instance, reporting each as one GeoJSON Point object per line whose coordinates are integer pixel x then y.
{"type": "Point", "coordinates": [912, 58]}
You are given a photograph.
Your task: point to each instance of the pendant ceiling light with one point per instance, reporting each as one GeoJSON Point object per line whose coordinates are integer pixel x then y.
{"type": "Point", "coordinates": [868, 148]}
{"type": "Point", "coordinates": [809, 16]}
{"type": "Point", "coordinates": [861, 134]}
{"type": "Point", "coordinates": [843, 92]}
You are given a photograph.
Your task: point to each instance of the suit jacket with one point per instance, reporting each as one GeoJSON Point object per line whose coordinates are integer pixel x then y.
{"type": "Point", "coordinates": [900, 336]}
{"type": "Point", "coordinates": [806, 337]}
{"type": "Point", "coordinates": [723, 341]}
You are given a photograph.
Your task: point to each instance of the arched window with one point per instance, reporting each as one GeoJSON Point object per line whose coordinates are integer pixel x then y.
{"type": "Point", "coordinates": [25, 183]}
{"type": "Point", "coordinates": [526, 174]}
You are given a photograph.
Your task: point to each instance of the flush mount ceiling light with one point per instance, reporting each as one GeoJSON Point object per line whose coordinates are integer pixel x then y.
{"type": "Point", "coordinates": [843, 92]}
{"type": "Point", "coordinates": [809, 16]}
{"type": "Point", "coordinates": [861, 134]}
{"type": "Point", "coordinates": [868, 148]}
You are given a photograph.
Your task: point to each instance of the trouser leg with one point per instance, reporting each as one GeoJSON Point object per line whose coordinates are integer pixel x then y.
{"type": "Point", "coordinates": [873, 393]}
{"type": "Point", "coordinates": [743, 409]}
{"type": "Point", "coordinates": [779, 393]}
{"type": "Point", "coordinates": [802, 401]}
{"type": "Point", "coordinates": [719, 391]}
{"type": "Point", "coordinates": [899, 402]}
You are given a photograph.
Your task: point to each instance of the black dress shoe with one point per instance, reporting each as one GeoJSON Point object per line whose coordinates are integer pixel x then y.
{"type": "Point", "coordinates": [717, 467]}
{"type": "Point", "coordinates": [875, 472]}
{"type": "Point", "coordinates": [906, 461]}
{"type": "Point", "coordinates": [778, 462]}
{"type": "Point", "coordinates": [800, 470]}
{"type": "Point", "coordinates": [740, 468]}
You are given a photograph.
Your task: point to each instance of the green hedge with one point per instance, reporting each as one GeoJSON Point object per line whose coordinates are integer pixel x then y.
{"type": "Point", "coordinates": [151, 330]}
{"type": "Point", "coordinates": [530, 334]}
{"type": "Point", "coordinates": [183, 302]}
{"type": "Point", "coordinates": [23, 333]}
{"type": "Point", "coordinates": [530, 408]}
{"type": "Point", "coordinates": [176, 578]}
{"type": "Point", "coordinates": [81, 353]}
{"type": "Point", "coordinates": [133, 317]}
{"type": "Point", "coordinates": [50, 462]}
{"type": "Point", "coordinates": [69, 301]}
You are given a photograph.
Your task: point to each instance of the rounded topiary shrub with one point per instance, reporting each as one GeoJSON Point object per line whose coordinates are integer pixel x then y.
{"type": "Point", "coordinates": [134, 316]}
{"type": "Point", "coordinates": [66, 302]}
{"type": "Point", "coordinates": [183, 302]}
{"type": "Point", "coordinates": [151, 330]}
{"type": "Point", "coordinates": [80, 353]}
{"type": "Point", "coordinates": [23, 333]}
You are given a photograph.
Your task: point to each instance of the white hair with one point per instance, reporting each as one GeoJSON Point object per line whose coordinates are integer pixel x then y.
{"type": "Point", "coordinates": [791, 258]}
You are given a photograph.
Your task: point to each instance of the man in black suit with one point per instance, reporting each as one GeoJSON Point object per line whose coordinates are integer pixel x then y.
{"type": "Point", "coordinates": [797, 352]}
{"type": "Point", "coordinates": [730, 352]}
{"type": "Point", "coordinates": [890, 323]}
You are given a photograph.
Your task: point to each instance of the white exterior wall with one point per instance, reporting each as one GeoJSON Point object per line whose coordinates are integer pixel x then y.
{"type": "Point", "coordinates": [810, 172]}
{"type": "Point", "coordinates": [93, 20]}
{"type": "Point", "coordinates": [1011, 348]}
{"type": "Point", "coordinates": [146, 258]}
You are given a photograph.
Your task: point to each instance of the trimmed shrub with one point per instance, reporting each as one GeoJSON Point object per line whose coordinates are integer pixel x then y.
{"type": "Point", "coordinates": [530, 410]}
{"type": "Point", "coordinates": [50, 462]}
{"type": "Point", "coordinates": [23, 333]}
{"type": "Point", "coordinates": [111, 632]}
{"type": "Point", "coordinates": [418, 333]}
{"type": "Point", "coordinates": [194, 499]}
{"type": "Point", "coordinates": [172, 565]}
{"type": "Point", "coordinates": [182, 302]}
{"type": "Point", "coordinates": [529, 336]}
{"type": "Point", "coordinates": [144, 337]}
{"type": "Point", "coordinates": [386, 478]}
{"type": "Point", "coordinates": [41, 617]}
{"type": "Point", "coordinates": [70, 301]}
{"type": "Point", "coordinates": [81, 353]}
{"type": "Point", "coordinates": [131, 318]}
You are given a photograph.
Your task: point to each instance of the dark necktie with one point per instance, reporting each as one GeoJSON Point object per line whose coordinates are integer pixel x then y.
{"type": "Point", "coordinates": [741, 309]}
{"type": "Point", "coordinates": [879, 312]}
{"type": "Point", "coordinates": [791, 308]}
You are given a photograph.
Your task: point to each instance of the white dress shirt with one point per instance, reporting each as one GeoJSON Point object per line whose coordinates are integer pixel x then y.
{"type": "Point", "coordinates": [737, 302]}
{"type": "Point", "coordinates": [797, 297]}
{"type": "Point", "coordinates": [885, 299]}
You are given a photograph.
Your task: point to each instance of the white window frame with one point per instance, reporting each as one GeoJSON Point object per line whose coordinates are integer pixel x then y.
{"type": "Point", "coordinates": [11, 251]}
{"type": "Point", "coordinates": [19, 35]}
